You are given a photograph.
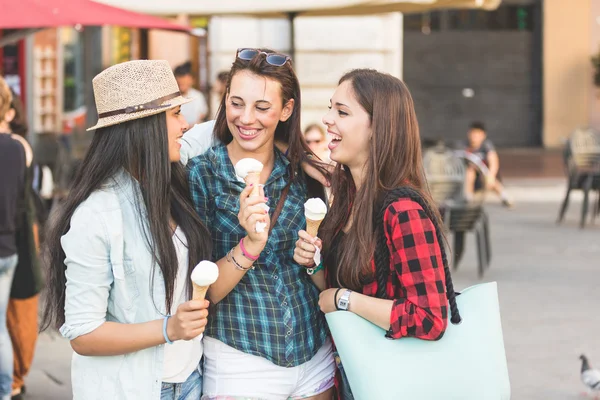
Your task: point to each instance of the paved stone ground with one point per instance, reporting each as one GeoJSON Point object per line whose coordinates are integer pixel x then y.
{"type": "Point", "coordinates": [549, 279]}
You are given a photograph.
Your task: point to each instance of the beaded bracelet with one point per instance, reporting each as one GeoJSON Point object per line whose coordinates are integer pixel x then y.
{"type": "Point", "coordinates": [230, 258]}
{"type": "Point", "coordinates": [314, 270]}
{"type": "Point", "coordinates": [245, 253]}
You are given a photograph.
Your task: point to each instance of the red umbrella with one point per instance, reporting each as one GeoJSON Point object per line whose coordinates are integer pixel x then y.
{"type": "Point", "coordinates": [36, 14]}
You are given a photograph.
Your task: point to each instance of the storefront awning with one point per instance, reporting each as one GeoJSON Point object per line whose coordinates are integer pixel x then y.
{"type": "Point", "coordinates": [277, 8]}
{"type": "Point", "coordinates": [28, 16]}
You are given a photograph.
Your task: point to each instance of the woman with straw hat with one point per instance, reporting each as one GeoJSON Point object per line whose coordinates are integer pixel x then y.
{"type": "Point", "coordinates": [121, 247]}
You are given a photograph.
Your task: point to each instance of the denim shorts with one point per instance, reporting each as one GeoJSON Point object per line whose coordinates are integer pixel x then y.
{"type": "Point", "coordinates": [191, 389]}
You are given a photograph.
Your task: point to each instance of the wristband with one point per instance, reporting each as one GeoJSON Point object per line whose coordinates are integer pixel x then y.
{"type": "Point", "coordinates": [335, 299]}
{"type": "Point", "coordinates": [245, 253]}
{"type": "Point", "coordinates": [314, 270]}
{"type": "Point", "coordinates": [165, 330]}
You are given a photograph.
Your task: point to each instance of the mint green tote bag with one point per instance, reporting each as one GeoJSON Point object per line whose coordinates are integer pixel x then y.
{"type": "Point", "coordinates": [467, 363]}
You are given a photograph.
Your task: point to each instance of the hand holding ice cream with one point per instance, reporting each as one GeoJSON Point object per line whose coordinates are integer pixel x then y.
{"type": "Point", "coordinates": [314, 211]}
{"type": "Point", "coordinates": [248, 170]}
{"type": "Point", "coordinates": [187, 323]}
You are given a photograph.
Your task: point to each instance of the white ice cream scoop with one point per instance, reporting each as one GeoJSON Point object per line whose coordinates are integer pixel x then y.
{"type": "Point", "coordinates": [203, 275]}
{"type": "Point", "coordinates": [315, 209]}
{"type": "Point", "coordinates": [248, 166]}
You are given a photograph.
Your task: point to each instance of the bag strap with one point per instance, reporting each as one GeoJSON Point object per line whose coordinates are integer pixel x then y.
{"type": "Point", "coordinates": [279, 206]}
{"type": "Point", "coordinates": [382, 256]}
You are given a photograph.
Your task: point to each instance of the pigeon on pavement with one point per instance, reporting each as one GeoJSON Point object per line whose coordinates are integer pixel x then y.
{"type": "Point", "coordinates": [590, 377]}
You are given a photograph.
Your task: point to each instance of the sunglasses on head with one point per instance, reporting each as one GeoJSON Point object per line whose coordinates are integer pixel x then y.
{"type": "Point", "coordinates": [275, 59]}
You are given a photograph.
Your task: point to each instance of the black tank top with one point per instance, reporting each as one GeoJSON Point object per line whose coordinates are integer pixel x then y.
{"type": "Point", "coordinates": [332, 258]}
{"type": "Point", "coordinates": [12, 180]}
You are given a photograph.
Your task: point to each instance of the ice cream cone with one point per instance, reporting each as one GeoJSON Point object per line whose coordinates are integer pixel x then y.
{"type": "Point", "coordinates": [253, 178]}
{"type": "Point", "coordinates": [203, 275]}
{"type": "Point", "coordinates": [312, 226]}
{"type": "Point", "coordinates": [199, 292]}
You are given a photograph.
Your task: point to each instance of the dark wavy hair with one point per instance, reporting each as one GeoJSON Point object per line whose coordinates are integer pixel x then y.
{"type": "Point", "coordinates": [140, 147]}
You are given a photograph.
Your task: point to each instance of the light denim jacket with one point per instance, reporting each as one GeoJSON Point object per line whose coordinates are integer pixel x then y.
{"type": "Point", "coordinates": [108, 279]}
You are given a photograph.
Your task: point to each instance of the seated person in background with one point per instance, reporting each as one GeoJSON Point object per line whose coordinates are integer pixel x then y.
{"type": "Point", "coordinates": [195, 111]}
{"type": "Point", "coordinates": [316, 139]}
{"type": "Point", "coordinates": [479, 145]}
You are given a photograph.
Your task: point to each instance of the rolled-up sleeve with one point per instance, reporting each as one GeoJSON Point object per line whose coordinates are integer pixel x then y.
{"type": "Point", "coordinates": [88, 273]}
{"type": "Point", "coordinates": [420, 304]}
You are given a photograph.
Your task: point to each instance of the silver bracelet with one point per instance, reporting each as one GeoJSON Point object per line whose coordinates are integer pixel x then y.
{"type": "Point", "coordinates": [230, 258]}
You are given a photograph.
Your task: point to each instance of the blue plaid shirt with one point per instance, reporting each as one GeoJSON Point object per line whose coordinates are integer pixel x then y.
{"type": "Point", "coordinates": [273, 311]}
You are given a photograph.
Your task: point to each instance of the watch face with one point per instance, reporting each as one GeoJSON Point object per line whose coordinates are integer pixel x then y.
{"type": "Point", "coordinates": [343, 303]}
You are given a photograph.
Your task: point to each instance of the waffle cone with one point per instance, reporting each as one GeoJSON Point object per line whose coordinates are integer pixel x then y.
{"type": "Point", "coordinates": [253, 178]}
{"type": "Point", "coordinates": [199, 292]}
{"type": "Point", "coordinates": [312, 226]}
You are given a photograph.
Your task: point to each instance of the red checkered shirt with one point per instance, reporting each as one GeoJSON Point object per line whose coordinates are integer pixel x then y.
{"type": "Point", "coordinates": [417, 280]}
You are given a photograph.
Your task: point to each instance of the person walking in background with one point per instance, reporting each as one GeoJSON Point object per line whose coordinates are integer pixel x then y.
{"type": "Point", "coordinates": [13, 165]}
{"type": "Point", "coordinates": [52, 164]}
{"type": "Point", "coordinates": [122, 246]}
{"type": "Point", "coordinates": [316, 139]}
{"type": "Point", "coordinates": [196, 110]}
{"type": "Point", "coordinates": [22, 313]}
{"type": "Point", "coordinates": [481, 146]}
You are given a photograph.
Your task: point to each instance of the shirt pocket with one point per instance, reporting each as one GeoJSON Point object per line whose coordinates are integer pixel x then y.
{"type": "Point", "coordinates": [125, 291]}
{"type": "Point", "coordinates": [226, 216]}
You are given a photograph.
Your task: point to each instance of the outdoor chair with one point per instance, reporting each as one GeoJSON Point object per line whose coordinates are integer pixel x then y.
{"type": "Point", "coordinates": [582, 165]}
{"type": "Point", "coordinates": [445, 172]}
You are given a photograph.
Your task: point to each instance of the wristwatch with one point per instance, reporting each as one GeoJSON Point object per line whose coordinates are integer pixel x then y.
{"type": "Point", "coordinates": [344, 301]}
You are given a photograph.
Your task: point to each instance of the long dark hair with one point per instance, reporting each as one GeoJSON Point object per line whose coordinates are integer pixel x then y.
{"type": "Point", "coordinates": [288, 131]}
{"type": "Point", "coordinates": [18, 125]}
{"type": "Point", "coordinates": [394, 161]}
{"type": "Point", "coordinates": [140, 147]}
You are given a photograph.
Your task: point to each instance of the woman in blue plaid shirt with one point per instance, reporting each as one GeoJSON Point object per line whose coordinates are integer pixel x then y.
{"type": "Point", "coordinates": [266, 338]}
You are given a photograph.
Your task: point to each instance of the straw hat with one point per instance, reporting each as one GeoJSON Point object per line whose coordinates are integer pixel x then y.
{"type": "Point", "coordinates": [135, 89]}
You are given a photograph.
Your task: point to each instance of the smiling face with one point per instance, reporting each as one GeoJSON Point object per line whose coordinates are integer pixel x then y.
{"type": "Point", "coordinates": [254, 107]}
{"type": "Point", "coordinates": [350, 128]}
{"type": "Point", "coordinates": [176, 125]}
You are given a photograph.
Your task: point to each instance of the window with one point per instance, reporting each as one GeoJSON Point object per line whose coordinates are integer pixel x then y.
{"type": "Point", "coordinates": [425, 22]}
{"type": "Point", "coordinates": [505, 18]}
{"type": "Point", "coordinates": [73, 69]}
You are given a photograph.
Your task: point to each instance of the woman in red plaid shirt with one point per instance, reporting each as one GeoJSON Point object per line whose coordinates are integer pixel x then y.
{"type": "Point", "coordinates": [376, 144]}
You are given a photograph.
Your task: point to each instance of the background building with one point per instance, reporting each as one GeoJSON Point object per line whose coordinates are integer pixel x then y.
{"type": "Point", "coordinates": [524, 69]}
